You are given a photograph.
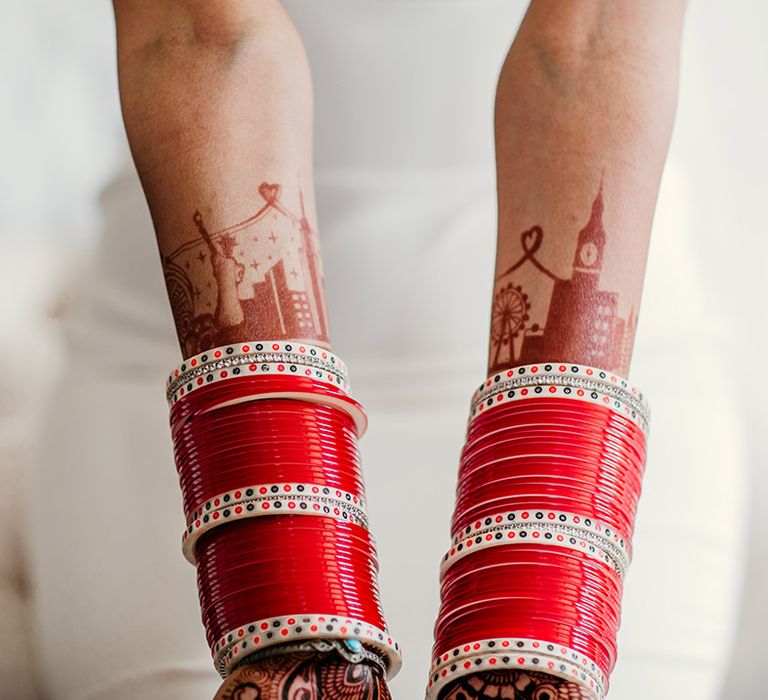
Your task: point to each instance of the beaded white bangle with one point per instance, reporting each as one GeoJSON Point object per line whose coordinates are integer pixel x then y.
{"type": "Point", "coordinates": [257, 357]}
{"type": "Point", "coordinates": [262, 634]}
{"type": "Point", "coordinates": [572, 381]}
{"type": "Point", "coordinates": [272, 499]}
{"type": "Point", "coordinates": [553, 528]}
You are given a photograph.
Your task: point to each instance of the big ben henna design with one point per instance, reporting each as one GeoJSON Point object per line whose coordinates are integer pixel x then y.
{"type": "Point", "coordinates": [581, 321]}
{"type": "Point", "coordinates": [257, 278]}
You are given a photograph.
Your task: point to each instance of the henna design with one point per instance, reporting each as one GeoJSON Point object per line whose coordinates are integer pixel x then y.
{"type": "Point", "coordinates": [582, 322]}
{"type": "Point", "coordinates": [244, 297]}
{"type": "Point", "coordinates": [508, 317]}
{"type": "Point", "coordinates": [514, 685]}
{"type": "Point", "coordinates": [228, 273]}
{"type": "Point", "coordinates": [305, 676]}
{"type": "Point", "coordinates": [531, 242]}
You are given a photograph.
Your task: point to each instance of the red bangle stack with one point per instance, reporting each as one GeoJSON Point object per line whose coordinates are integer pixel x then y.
{"type": "Point", "coordinates": [548, 487]}
{"type": "Point", "coordinates": [265, 434]}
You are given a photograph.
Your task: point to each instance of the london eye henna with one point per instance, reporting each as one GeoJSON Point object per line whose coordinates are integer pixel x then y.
{"type": "Point", "coordinates": [577, 315]}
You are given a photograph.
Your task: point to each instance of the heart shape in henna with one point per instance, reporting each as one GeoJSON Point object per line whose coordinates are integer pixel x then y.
{"type": "Point", "coordinates": [270, 192]}
{"type": "Point", "coordinates": [532, 239]}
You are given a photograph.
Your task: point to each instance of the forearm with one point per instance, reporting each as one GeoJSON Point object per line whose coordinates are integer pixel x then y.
{"type": "Point", "coordinates": [584, 113]}
{"type": "Point", "coordinates": [218, 109]}
{"type": "Point", "coordinates": [217, 104]}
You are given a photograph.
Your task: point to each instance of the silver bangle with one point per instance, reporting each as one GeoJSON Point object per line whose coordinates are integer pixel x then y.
{"type": "Point", "coordinates": [350, 650]}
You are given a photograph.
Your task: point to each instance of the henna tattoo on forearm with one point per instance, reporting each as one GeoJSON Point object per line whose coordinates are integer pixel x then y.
{"type": "Point", "coordinates": [257, 278]}
{"type": "Point", "coordinates": [572, 318]}
{"type": "Point", "coordinates": [514, 685]}
{"type": "Point", "coordinates": [305, 676]}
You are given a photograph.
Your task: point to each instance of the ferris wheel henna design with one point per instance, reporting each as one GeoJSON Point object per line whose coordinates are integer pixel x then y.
{"type": "Point", "coordinates": [508, 318]}
{"type": "Point", "coordinates": [181, 296]}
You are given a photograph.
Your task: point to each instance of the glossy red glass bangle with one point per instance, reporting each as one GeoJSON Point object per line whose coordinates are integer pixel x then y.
{"type": "Point", "coordinates": [516, 444]}
{"type": "Point", "coordinates": [542, 408]}
{"type": "Point", "coordinates": [591, 420]}
{"type": "Point", "coordinates": [249, 389]}
{"type": "Point", "coordinates": [541, 453]}
{"type": "Point", "coordinates": [559, 423]}
{"type": "Point", "coordinates": [287, 431]}
{"type": "Point", "coordinates": [586, 640]}
{"type": "Point", "coordinates": [502, 569]}
{"type": "Point", "coordinates": [513, 443]}
{"type": "Point", "coordinates": [209, 464]}
{"type": "Point", "coordinates": [567, 479]}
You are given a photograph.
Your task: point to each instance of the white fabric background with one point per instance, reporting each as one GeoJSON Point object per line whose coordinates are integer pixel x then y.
{"type": "Point", "coordinates": [703, 295]}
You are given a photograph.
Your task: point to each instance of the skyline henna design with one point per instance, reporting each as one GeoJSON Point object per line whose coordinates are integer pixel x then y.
{"type": "Point", "coordinates": [512, 684]}
{"type": "Point", "coordinates": [305, 676]}
{"type": "Point", "coordinates": [582, 323]}
{"type": "Point", "coordinates": [508, 317]}
{"type": "Point", "coordinates": [220, 292]}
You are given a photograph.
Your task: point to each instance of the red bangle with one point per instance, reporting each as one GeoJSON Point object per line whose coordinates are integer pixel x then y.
{"type": "Point", "coordinates": [549, 481]}
{"type": "Point", "coordinates": [246, 389]}
{"type": "Point", "coordinates": [252, 445]}
{"type": "Point", "coordinates": [256, 453]}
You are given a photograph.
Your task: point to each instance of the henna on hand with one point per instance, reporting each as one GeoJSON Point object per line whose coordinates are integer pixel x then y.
{"type": "Point", "coordinates": [305, 676]}
{"type": "Point", "coordinates": [514, 685]}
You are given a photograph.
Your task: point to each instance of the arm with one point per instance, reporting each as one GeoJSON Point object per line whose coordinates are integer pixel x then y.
{"type": "Point", "coordinates": [217, 104]}
{"type": "Point", "coordinates": [584, 112]}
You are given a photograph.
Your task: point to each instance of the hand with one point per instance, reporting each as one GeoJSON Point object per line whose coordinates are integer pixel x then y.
{"type": "Point", "coordinates": [305, 676]}
{"type": "Point", "coordinates": [514, 685]}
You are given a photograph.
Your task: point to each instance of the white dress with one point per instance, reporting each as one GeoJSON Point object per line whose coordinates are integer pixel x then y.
{"type": "Point", "coordinates": [405, 189]}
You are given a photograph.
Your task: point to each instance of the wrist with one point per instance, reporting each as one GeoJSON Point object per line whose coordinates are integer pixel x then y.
{"type": "Point", "coordinates": [538, 686]}
{"type": "Point", "coordinates": [326, 675]}
{"type": "Point", "coordinates": [349, 650]}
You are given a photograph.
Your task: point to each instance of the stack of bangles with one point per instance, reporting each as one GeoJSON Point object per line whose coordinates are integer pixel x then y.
{"type": "Point", "coordinates": [265, 441]}
{"type": "Point", "coordinates": [548, 486]}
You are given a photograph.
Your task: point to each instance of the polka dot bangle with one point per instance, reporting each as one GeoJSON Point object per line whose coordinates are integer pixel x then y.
{"type": "Point", "coordinates": [305, 353]}
{"type": "Point", "coordinates": [533, 533]}
{"type": "Point", "coordinates": [528, 654]}
{"type": "Point", "coordinates": [273, 499]}
{"type": "Point", "coordinates": [570, 380]}
{"type": "Point", "coordinates": [558, 391]}
{"type": "Point", "coordinates": [244, 365]}
{"type": "Point", "coordinates": [554, 534]}
{"type": "Point", "coordinates": [612, 540]}
{"type": "Point", "coordinates": [265, 633]}
{"type": "Point", "coordinates": [248, 493]}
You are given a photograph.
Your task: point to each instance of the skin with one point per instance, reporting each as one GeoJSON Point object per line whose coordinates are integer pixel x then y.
{"type": "Point", "coordinates": [304, 677]}
{"type": "Point", "coordinates": [584, 112]}
{"type": "Point", "coordinates": [514, 685]}
{"type": "Point", "coordinates": [217, 104]}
